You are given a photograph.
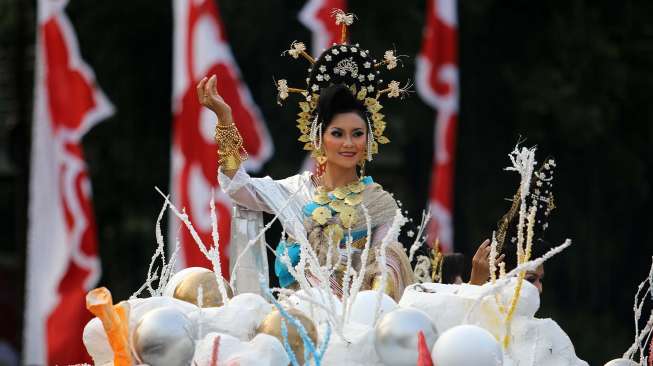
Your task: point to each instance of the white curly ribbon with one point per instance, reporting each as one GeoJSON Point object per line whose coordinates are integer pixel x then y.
{"type": "Point", "coordinates": [643, 335]}
{"type": "Point", "coordinates": [419, 238]}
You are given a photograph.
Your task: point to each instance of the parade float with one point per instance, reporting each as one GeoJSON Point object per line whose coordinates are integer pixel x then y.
{"type": "Point", "coordinates": [334, 314]}
{"type": "Point", "coordinates": [196, 317]}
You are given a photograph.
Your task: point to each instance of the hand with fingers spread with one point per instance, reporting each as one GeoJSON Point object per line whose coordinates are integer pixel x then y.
{"type": "Point", "coordinates": [481, 264]}
{"type": "Point", "coordinates": [207, 93]}
{"type": "Point", "coordinates": [231, 152]}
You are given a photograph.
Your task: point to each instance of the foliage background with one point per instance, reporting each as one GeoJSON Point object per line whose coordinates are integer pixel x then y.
{"type": "Point", "coordinates": [573, 77]}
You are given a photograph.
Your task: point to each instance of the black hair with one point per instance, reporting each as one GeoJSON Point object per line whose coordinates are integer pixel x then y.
{"type": "Point", "coordinates": [337, 99]}
{"type": "Point", "coordinates": [453, 265]}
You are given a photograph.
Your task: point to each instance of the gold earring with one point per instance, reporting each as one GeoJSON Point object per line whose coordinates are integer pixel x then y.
{"type": "Point", "coordinates": [361, 164]}
{"type": "Point", "coordinates": [320, 156]}
{"type": "Point", "coordinates": [320, 161]}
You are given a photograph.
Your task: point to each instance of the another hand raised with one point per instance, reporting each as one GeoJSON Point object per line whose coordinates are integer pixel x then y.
{"type": "Point", "coordinates": [207, 93]}
{"type": "Point", "coordinates": [481, 263]}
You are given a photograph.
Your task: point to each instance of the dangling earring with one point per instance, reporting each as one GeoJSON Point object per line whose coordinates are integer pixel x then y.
{"type": "Point", "coordinates": [361, 164]}
{"type": "Point", "coordinates": [369, 140]}
{"type": "Point", "coordinates": [321, 168]}
{"type": "Point", "coordinates": [316, 134]}
{"type": "Point", "coordinates": [320, 160]}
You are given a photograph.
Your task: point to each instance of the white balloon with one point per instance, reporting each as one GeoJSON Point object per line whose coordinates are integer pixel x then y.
{"type": "Point", "coordinates": [262, 350]}
{"type": "Point", "coordinates": [467, 345]}
{"type": "Point", "coordinates": [362, 310]}
{"type": "Point", "coordinates": [239, 318]}
{"type": "Point", "coordinates": [396, 335]}
{"type": "Point", "coordinates": [621, 362]}
{"type": "Point", "coordinates": [315, 312]}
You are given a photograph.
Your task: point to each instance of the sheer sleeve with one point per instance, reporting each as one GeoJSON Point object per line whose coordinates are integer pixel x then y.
{"type": "Point", "coordinates": [285, 198]}
{"type": "Point", "coordinates": [241, 191]}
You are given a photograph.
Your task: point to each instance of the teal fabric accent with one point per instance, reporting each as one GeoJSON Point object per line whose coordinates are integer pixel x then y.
{"type": "Point", "coordinates": [310, 207]}
{"type": "Point", "coordinates": [280, 269]}
{"type": "Point", "coordinates": [367, 180]}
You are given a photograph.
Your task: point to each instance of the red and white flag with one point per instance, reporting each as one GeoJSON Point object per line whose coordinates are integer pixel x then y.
{"type": "Point", "coordinates": [62, 253]}
{"type": "Point", "coordinates": [200, 49]}
{"type": "Point", "coordinates": [316, 15]}
{"type": "Point", "coordinates": [437, 84]}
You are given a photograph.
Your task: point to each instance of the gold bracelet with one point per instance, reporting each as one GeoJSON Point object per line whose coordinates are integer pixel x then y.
{"type": "Point", "coordinates": [230, 144]}
{"type": "Point", "coordinates": [230, 162]}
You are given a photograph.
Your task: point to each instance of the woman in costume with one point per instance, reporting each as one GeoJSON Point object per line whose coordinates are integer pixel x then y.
{"type": "Point", "coordinates": [341, 125]}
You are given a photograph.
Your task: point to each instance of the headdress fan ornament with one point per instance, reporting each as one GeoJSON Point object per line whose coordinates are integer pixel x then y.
{"type": "Point", "coordinates": [350, 65]}
{"type": "Point", "coordinates": [540, 194]}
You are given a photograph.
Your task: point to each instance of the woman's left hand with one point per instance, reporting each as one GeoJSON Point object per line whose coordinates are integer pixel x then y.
{"type": "Point", "coordinates": [207, 93]}
{"type": "Point", "coordinates": [481, 264]}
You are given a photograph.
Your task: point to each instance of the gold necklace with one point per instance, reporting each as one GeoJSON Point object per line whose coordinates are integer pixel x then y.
{"type": "Point", "coordinates": [340, 202]}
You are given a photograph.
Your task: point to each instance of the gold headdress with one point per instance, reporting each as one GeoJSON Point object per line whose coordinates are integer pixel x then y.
{"type": "Point", "coordinates": [349, 65]}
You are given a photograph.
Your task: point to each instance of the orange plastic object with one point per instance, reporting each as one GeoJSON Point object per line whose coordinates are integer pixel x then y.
{"type": "Point", "coordinates": [115, 320]}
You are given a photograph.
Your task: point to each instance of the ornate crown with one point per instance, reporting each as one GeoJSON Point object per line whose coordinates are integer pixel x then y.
{"type": "Point", "coordinates": [350, 65]}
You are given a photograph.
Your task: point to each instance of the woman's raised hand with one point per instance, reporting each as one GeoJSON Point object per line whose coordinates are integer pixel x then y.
{"type": "Point", "coordinates": [481, 263]}
{"type": "Point", "coordinates": [207, 93]}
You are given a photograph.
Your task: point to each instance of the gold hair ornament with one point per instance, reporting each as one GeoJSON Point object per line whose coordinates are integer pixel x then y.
{"type": "Point", "coordinates": [349, 65]}
{"type": "Point", "coordinates": [344, 20]}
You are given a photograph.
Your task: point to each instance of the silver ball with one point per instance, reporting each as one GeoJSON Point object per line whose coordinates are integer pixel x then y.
{"type": "Point", "coordinates": [396, 336]}
{"type": "Point", "coordinates": [164, 336]}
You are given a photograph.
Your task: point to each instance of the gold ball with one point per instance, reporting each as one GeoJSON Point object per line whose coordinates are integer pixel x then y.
{"type": "Point", "coordinates": [187, 289]}
{"type": "Point", "coordinates": [271, 325]}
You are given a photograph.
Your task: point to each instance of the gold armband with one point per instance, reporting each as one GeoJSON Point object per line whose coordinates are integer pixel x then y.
{"type": "Point", "coordinates": [230, 145]}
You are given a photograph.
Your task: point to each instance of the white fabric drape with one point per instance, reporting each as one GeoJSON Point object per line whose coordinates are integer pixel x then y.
{"type": "Point", "coordinates": [286, 197]}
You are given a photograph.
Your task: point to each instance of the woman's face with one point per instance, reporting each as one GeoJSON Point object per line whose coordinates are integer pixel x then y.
{"type": "Point", "coordinates": [345, 140]}
{"type": "Point", "coordinates": [536, 277]}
